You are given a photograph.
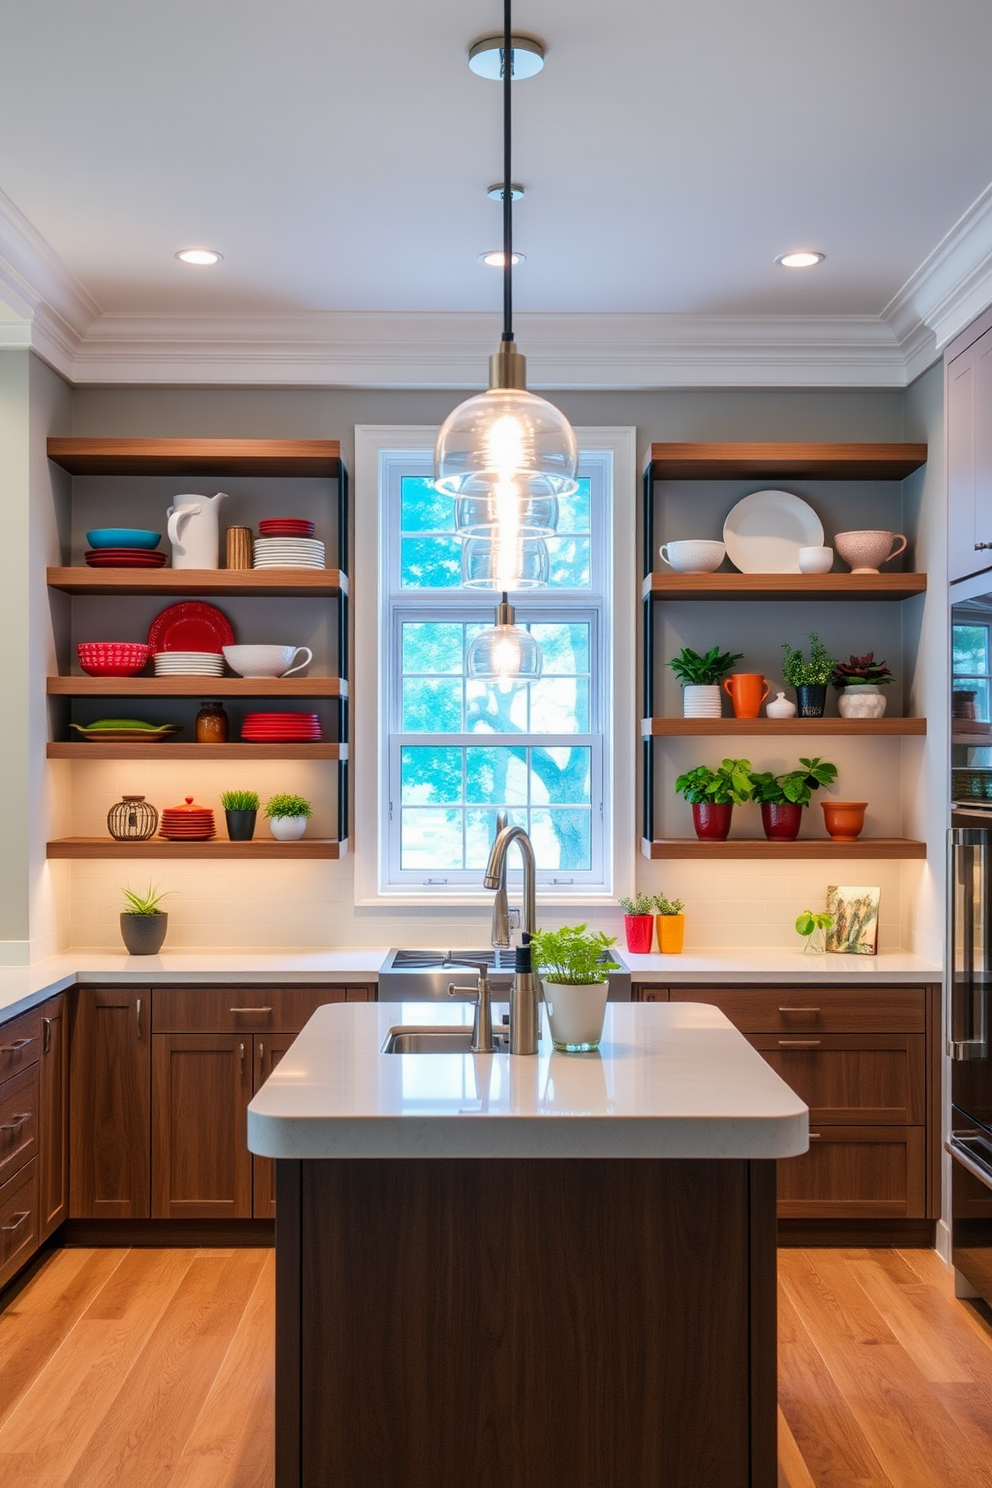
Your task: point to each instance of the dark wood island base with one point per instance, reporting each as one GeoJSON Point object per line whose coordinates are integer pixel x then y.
{"type": "Point", "coordinates": [525, 1323]}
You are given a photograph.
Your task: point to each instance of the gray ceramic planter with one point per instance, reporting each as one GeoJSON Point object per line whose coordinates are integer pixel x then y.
{"type": "Point", "coordinates": [143, 934]}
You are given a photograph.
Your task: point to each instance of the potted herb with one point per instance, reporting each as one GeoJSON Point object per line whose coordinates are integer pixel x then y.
{"type": "Point", "coordinates": [671, 924]}
{"type": "Point", "coordinates": [287, 816]}
{"type": "Point", "coordinates": [782, 797]}
{"type": "Point", "coordinates": [638, 922]}
{"type": "Point", "coordinates": [575, 965]}
{"type": "Point", "coordinates": [240, 810]}
{"type": "Point", "coordinates": [701, 677]}
{"type": "Point", "coordinates": [814, 928]}
{"type": "Point", "coordinates": [809, 678]}
{"type": "Point", "coordinates": [143, 924]}
{"type": "Point", "coordinates": [859, 683]}
{"type": "Point", "coordinates": [713, 794]}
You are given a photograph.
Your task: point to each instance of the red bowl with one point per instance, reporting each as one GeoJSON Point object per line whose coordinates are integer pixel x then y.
{"type": "Point", "coordinates": [112, 658]}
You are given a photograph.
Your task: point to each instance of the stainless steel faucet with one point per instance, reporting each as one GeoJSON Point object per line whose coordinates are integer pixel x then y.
{"type": "Point", "coordinates": [500, 937]}
{"type": "Point", "coordinates": [525, 1020]}
{"type": "Point", "coordinates": [482, 1027]}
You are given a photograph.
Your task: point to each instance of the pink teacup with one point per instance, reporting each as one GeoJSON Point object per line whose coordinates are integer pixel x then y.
{"type": "Point", "coordinates": [865, 552]}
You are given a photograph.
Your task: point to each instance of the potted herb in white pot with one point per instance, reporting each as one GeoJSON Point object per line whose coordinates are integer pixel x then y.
{"type": "Point", "coordinates": [287, 816]}
{"type": "Point", "coordinates": [143, 924]}
{"type": "Point", "coordinates": [701, 677]}
{"type": "Point", "coordinates": [575, 965]}
{"type": "Point", "coordinates": [859, 684]}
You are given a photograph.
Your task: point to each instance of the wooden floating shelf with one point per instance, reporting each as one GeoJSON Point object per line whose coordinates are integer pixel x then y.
{"type": "Point", "coordinates": [814, 461]}
{"type": "Point", "coordinates": [691, 728]}
{"type": "Point", "coordinates": [89, 750]}
{"type": "Point", "coordinates": [217, 847]}
{"type": "Point", "coordinates": [303, 583]}
{"type": "Point", "coordinates": [972, 732]}
{"type": "Point", "coordinates": [197, 456]}
{"type": "Point", "coordinates": [783, 586]}
{"type": "Point", "coordinates": [258, 687]}
{"type": "Point", "coordinates": [760, 847]}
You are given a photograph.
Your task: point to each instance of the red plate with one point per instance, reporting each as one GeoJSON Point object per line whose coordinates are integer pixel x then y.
{"type": "Point", "coordinates": [190, 626]}
{"type": "Point", "coordinates": [286, 526]}
{"type": "Point", "coordinates": [131, 558]}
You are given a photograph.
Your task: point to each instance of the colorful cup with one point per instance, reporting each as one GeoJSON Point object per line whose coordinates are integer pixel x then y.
{"type": "Point", "coordinates": [747, 691]}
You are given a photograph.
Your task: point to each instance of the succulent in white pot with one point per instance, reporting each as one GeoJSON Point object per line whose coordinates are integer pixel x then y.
{"type": "Point", "coordinates": [859, 683]}
{"type": "Point", "coordinates": [287, 816]}
{"type": "Point", "coordinates": [575, 967]}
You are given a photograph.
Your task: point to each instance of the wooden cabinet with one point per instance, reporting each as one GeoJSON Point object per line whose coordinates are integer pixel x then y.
{"type": "Point", "coordinates": [968, 394]}
{"type": "Point", "coordinates": [267, 1053]}
{"type": "Point", "coordinates": [20, 1124]}
{"type": "Point", "coordinates": [18, 1220]}
{"type": "Point", "coordinates": [110, 1104]}
{"type": "Point", "coordinates": [53, 1164]}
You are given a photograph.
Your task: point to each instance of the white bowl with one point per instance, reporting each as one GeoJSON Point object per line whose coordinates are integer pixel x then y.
{"type": "Point", "coordinates": [266, 661]}
{"type": "Point", "coordinates": [693, 555]}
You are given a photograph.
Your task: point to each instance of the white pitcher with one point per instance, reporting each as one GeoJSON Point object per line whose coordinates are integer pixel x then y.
{"type": "Point", "coordinates": [194, 531]}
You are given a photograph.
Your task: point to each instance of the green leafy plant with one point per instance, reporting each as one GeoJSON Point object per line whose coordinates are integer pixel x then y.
{"type": "Point", "coordinates": [239, 800]}
{"type": "Point", "coordinates": [640, 904]}
{"type": "Point", "coordinates": [817, 672]}
{"type": "Point", "coordinates": [286, 805]}
{"type": "Point", "coordinates": [573, 956]}
{"type": "Point", "coordinates": [694, 670]}
{"type": "Point", "coordinates": [809, 921]}
{"type": "Point", "coordinates": [730, 783]}
{"type": "Point", "coordinates": [796, 786]}
{"type": "Point", "coordinates": [146, 903]}
{"type": "Point", "coordinates": [666, 906]}
{"type": "Point", "coordinates": [861, 669]}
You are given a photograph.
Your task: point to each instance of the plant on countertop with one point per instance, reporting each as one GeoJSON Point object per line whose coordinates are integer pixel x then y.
{"type": "Point", "coordinates": [640, 904]}
{"type": "Point", "coordinates": [817, 672]}
{"type": "Point", "coordinates": [665, 906]}
{"type": "Point", "coordinates": [729, 784]}
{"type": "Point", "coordinates": [239, 800]}
{"type": "Point", "coordinates": [288, 805]}
{"type": "Point", "coordinates": [573, 956]}
{"type": "Point", "coordinates": [809, 921]}
{"type": "Point", "coordinates": [694, 670]}
{"type": "Point", "coordinates": [794, 786]}
{"type": "Point", "coordinates": [146, 903]}
{"type": "Point", "coordinates": [862, 670]}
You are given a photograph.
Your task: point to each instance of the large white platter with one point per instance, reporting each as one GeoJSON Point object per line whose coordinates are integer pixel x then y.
{"type": "Point", "coordinates": [764, 532]}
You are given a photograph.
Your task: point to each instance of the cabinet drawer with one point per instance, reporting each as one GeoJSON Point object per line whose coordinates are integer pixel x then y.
{"type": "Point", "coordinates": [856, 1172]}
{"type": "Point", "coordinates": [20, 1043]}
{"type": "Point", "coordinates": [18, 1121]}
{"type": "Point", "coordinates": [18, 1220]}
{"type": "Point", "coordinates": [852, 1079]}
{"type": "Point", "coordinates": [823, 1009]}
{"type": "Point", "coordinates": [238, 1009]}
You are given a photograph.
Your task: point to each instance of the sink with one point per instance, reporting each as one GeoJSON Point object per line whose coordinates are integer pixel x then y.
{"type": "Point", "coordinates": [433, 1040]}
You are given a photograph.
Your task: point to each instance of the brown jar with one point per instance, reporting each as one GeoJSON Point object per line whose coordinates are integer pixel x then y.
{"type": "Point", "coordinates": [212, 726]}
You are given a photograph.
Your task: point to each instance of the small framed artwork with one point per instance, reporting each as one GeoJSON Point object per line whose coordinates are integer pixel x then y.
{"type": "Point", "coordinates": [854, 931]}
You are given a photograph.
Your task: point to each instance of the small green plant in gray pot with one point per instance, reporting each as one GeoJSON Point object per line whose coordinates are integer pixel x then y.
{"type": "Point", "coordinates": [287, 816]}
{"type": "Point", "coordinates": [143, 924]}
{"type": "Point", "coordinates": [240, 810]}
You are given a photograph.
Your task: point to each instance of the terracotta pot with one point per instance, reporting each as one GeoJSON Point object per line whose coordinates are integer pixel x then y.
{"type": "Point", "coordinates": [781, 820]}
{"type": "Point", "coordinates": [640, 933]}
{"type": "Point", "coordinates": [747, 691]}
{"type": "Point", "coordinates": [671, 933]}
{"type": "Point", "coordinates": [844, 820]}
{"type": "Point", "coordinates": [711, 820]}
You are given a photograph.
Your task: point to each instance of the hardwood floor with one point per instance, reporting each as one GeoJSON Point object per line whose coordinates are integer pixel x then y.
{"type": "Point", "coordinates": [153, 1369]}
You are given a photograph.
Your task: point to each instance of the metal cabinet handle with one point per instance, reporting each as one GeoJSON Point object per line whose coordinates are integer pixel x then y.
{"type": "Point", "coordinates": [261, 1052]}
{"type": "Point", "coordinates": [242, 1048]}
{"type": "Point", "coordinates": [799, 1043]}
{"type": "Point", "coordinates": [137, 1017]}
{"type": "Point", "coordinates": [799, 1010]}
{"type": "Point", "coordinates": [17, 1121]}
{"type": "Point", "coordinates": [980, 546]}
{"type": "Point", "coordinates": [251, 1010]}
{"type": "Point", "coordinates": [46, 1043]}
{"type": "Point", "coordinates": [16, 1046]}
{"type": "Point", "coordinates": [814, 1136]}
{"type": "Point", "coordinates": [15, 1223]}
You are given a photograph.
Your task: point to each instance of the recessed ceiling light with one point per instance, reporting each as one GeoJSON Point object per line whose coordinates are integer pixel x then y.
{"type": "Point", "coordinates": [199, 255]}
{"type": "Point", "coordinates": [485, 57]}
{"type": "Point", "coordinates": [800, 258]}
{"type": "Point", "coordinates": [495, 191]}
{"type": "Point", "coordinates": [494, 258]}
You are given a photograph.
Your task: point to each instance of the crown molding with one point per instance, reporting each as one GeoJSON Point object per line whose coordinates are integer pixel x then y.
{"type": "Point", "coordinates": [46, 307]}
{"type": "Point", "coordinates": [952, 285]}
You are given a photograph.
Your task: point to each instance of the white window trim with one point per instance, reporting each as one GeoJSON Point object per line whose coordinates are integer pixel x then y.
{"type": "Point", "coordinates": [369, 711]}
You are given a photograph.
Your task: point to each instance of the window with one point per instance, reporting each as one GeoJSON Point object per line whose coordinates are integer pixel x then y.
{"type": "Point", "coordinates": [971, 674]}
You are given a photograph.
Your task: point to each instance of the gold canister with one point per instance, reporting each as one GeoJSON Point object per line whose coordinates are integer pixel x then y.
{"type": "Point", "coordinates": [239, 547]}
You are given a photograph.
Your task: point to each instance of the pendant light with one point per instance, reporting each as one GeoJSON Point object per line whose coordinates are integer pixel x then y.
{"type": "Point", "coordinates": [504, 653]}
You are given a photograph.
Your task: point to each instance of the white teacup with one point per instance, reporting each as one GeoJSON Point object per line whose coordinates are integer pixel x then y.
{"type": "Point", "coordinates": [816, 560]}
{"type": "Point", "coordinates": [693, 555]}
{"type": "Point", "coordinates": [866, 551]}
{"type": "Point", "coordinates": [266, 661]}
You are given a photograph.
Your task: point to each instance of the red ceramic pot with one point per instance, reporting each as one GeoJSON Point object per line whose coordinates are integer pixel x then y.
{"type": "Point", "coordinates": [844, 820]}
{"type": "Point", "coordinates": [781, 820]}
{"type": "Point", "coordinates": [640, 933]}
{"type": "Point", "coordinates": [711, 820]}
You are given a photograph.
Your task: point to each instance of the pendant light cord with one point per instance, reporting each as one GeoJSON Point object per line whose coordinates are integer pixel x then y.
{"type": "Point", "coordinates": [507, 193]}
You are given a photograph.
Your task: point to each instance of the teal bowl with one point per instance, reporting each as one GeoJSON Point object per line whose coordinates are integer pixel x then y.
{"type": "Point", "coordinates": [123, 537]}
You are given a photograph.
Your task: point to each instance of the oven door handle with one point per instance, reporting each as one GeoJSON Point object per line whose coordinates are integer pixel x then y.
{"type": "Point", "coordinates": [975, 1168]}
{"type": "Point", "coordinates": [969, 953]}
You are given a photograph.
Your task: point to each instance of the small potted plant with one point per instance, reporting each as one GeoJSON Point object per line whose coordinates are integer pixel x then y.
{"type": "Point", "coordinates": [638, 922]}
{"type": "Point", "coordinates": [575, 965]}
{"type": "Point", "coordinates": [713, 794]}
{"type": "Point", "coordinates": [813, 927]}
{"type": "Point", "coordinates": [859, 683]}
{"type": "Point", "coordinates": [287, 816]}
{"type": "Point", "coordinates": [240, 810]}
{"type": "Point", "coordinates": [671, 924]}
{"type": "Point", "coordinates": [809, 678]}
{"type": "Point", "coordinates": [782, 797]}
{"type": "Point", "coordinates": [143, 924]}
{"type": "Point", "coordinates": [701, 677]}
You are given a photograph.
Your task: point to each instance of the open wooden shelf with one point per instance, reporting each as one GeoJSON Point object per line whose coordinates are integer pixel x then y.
{"type": "Point", "coordinates": [971, 731]}
{"type": "Point", "coordinates": [691, 728]}
{"type": "Point", "coordinates": [257, 687]}
{"type": "Point", "coordinates": [783, 586]}
{"type": "Point", "coordinates": [87, 749]}
{"type": "Point", "coordinates": [812, 461]}
{"type": "Point", "coordinates": [303, 583]}
{"type": "Point", "coordinates": [217, 847]}
{"type": "Point", "coordinates": [197, 456]}
{"type": "Point", "coordinates": [803, 847]}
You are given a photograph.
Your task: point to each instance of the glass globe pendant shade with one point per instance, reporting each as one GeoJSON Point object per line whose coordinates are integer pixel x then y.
{"type": "Point", "coordinates": [504, 654]}
{"type": "Point", "coordinates": [479, 516]}
{"type": "Point", "coordinates": [504, 561]}
{"type": "Point", "coordinates": [506, 441]}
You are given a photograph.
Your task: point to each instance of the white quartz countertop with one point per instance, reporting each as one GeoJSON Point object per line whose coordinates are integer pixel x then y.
{"type": "Point", "coordinates": [673, 1081]}
{"type": "Point", "coordinates": [778, 968]}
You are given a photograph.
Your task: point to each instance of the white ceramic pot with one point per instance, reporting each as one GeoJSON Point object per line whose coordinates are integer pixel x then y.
{"type": "Point", "coordinates": [576, 1015]}
{"type": "Point", "coordinates": [780, 707]}
{"type": "Point", "coordinates": [194, 531]}
{"type": "Point", "coordinates": [701, 702]}
{"type": "Point", "coordinates": [693, 555]}
{"type": "Point", "coordinates": [863, 700]}
{"type": "Point", "coordinates": [866, 551]}
{"type": "Point", "coordinates": [816, 560]}
{"type": "Point", "coordinates": [287, 828]}
{"type": "Point", "coordinates": [266, 661]}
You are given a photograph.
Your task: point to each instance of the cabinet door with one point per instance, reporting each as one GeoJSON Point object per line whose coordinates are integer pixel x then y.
{"type": "Point", "coordinates": [268, 1052]}
{"type": "Point", "coordinates": [855, 1079]}
{"type": "Point", "coordinates": [201, 1166]}
{"type": "Point", "coordinates": [53, 1167]}
{"type": "Point", "coordinates": [18, 1220]}
{"type": "Point", "coordinates": [969, 459]}
{"type": "Point", "coordinates": [110, 1105]}
{"type": "Point", "coordinates": [856, 1172]}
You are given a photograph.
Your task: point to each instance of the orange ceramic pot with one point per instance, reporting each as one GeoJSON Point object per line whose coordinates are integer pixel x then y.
{"type": "Point", "coordinates": [747, 691]}
{"type": "Point", "coordinates": [844, 820]}
{"type": "Point", "coordinates": [671, 933]}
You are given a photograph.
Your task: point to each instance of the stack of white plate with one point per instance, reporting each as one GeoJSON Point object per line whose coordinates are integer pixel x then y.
{"type": "Point", "coordinates": [189, 664]}
{"type": "Point", "coordinates": [289, 552]}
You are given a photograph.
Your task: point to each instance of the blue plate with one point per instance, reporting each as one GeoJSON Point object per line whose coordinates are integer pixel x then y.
{"type": "Point", "coordinates": [123, 537]}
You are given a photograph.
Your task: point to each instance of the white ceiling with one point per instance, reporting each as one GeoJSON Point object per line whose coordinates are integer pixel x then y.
{"type": "Point", "coordinates": [338, 156]}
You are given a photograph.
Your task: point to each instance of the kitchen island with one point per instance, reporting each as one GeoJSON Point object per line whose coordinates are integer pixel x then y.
{"type": "Point", "coordinates": [510, 1272]}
